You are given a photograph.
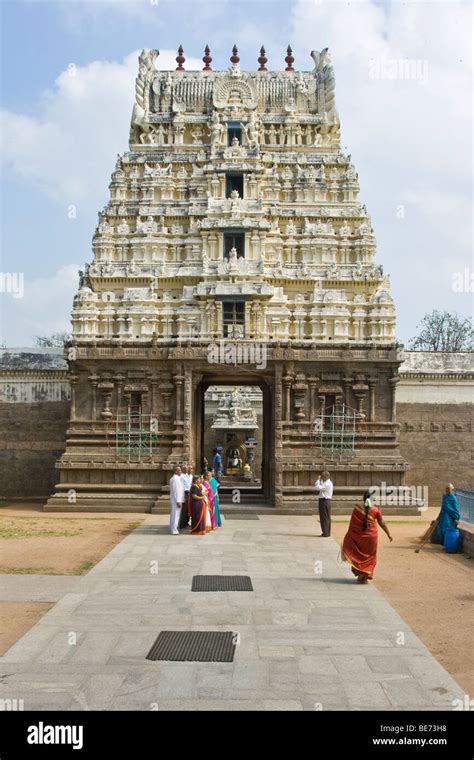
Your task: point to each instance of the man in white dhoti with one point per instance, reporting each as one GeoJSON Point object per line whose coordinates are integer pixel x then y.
{"type": "Point", "coordinates": [186, 477]}
{"type": "Point", "coordinates": [177, 500]}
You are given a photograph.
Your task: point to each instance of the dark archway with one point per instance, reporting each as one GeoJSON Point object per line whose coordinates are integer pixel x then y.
{"type": "Point", "coordinates": [251, 494]}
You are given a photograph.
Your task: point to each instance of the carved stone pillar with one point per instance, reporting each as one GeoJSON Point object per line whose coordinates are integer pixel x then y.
{"type": "Point", "coordinates": [106, 389]}
{"type": "Point", "coordinates": [393, 400]}
{"type": "Point", "coordinates": [300, 389]}
{"type": "Point", "coordinates": [278, 415]}
{"type": "Point", "coordinates": [120, 381]}
{"type": "Point", "coordinates": [372, 381]}
{"type": "Point", "coordinates": [347, 383]}
{"type": "Point", "coordinates": [287, 381]}
{"type": "Point", "coordinates": [153, 395]}
{"type": "Point", "coordinates": [313, 383]}
{"type": "Point", "coordinates": [188, 398]}
{"type": "Point", "coordinates": [178, 384]}
{"type": "Point", "coordinates": [94, 381]}
{"type": "Point", "coordinates": [73, 380]}
{"type": "Point", "coordinates": [360, 392]}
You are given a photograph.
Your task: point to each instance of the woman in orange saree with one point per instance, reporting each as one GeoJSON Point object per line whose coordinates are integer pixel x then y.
{"type": "Point", "coordinates": [197, 507]}
{"type": "Point", "coordinates": [360, 542]}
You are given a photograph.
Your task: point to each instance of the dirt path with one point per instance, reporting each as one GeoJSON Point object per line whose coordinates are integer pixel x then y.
{"type": "Point", "coordinates": [431, 590]}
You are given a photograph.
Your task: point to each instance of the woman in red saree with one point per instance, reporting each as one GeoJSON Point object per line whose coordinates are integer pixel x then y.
{"type": "Point", "coordinates": [360, 542]}
{"type": "Point", "coordinates": [210, 497]}
{"type": "Point", "coordinates": [197, 506]}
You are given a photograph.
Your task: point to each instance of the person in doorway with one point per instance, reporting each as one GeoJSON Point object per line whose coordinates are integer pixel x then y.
{"type": "Point", "coordinates": [359, 547]}
{"type": "Point", "coordinates": [324, 487]}
{"type": "Point", "coordinates": [177, 500]}
{"type": "Point", "coordinates": [448, 517]}
{"type": "Point", "coordinates": [186, 475]}
{"type": "Point", "coordinates": [217, 462]}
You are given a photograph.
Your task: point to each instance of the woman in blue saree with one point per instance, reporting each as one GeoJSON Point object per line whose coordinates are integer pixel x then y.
{"type": "Point", "coordinates": [448, 516]}
{"type": "Point", "coordinates": [214, 483]}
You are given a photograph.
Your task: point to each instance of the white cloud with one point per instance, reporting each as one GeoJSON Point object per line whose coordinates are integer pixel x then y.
{"type": "Point", "coordinates": [44, 309]}
{"type": "Point", "coordinates": [410, 138]}
{"type": "Point", "coordinates": [68, 150]}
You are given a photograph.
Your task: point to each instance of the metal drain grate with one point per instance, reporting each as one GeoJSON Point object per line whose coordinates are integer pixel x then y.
{"type": "Point", "coordinates": [221, 583]}
{"type": "Point", "coordinates": [194, 646]}
{"type": "Point", "coordinates": [250, 516]}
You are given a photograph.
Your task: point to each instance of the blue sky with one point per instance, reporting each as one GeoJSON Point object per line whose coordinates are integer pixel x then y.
{"type": "Point", "coordinates": [67, 93]}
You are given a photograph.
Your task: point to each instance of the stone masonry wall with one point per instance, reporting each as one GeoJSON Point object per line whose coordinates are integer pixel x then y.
{"type": "Point", "coordinates": [32, 438]}
{"type": "Point", "coordinates": [437, 441]}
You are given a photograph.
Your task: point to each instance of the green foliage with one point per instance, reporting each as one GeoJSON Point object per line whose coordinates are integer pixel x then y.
{"type": "Point", "coordinates": [56, 340]}
{"type": "Point", "coordinates": [444, 331]}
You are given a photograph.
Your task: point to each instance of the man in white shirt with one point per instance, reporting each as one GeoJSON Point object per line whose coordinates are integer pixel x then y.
{"type": "Point", "coordinates": [324, 487]}
{"type": "Point", "coordinates": [177, 500]}
{"type": "Point", "coordinates": [186, 477]}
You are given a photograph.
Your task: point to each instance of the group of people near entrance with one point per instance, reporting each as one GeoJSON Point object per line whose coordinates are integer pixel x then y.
{"type": "Point", "coordinates": [194, 501]}
{"type": "Point", "coordinates": [359, 547]}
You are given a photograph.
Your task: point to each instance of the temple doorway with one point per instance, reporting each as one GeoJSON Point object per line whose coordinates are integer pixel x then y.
{"type": "Point", "coordinates": [234, 438]}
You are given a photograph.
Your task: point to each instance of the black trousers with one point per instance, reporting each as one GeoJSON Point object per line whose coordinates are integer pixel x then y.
{"type": "Point", "coordinates": [325, 516]}
{"type": "Point", "coordinates": [183, 512]}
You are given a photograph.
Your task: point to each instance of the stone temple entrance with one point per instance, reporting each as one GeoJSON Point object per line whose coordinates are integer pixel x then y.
{"type": "Point", "coordinates": [234, 252]}
{"type": "Point", "coordinates": [232, 422]}
{"type": "Point", "coordinates": [233, 426]}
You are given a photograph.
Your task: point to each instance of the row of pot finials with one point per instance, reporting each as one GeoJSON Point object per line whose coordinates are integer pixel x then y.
{"type": "Point", "coordinates": [234, 59]}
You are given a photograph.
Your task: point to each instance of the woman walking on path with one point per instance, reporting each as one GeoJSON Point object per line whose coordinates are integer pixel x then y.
{"type": "Point", "coordinates": [360, 542]}
{"type": "Point", "coordinates": [448, 517]}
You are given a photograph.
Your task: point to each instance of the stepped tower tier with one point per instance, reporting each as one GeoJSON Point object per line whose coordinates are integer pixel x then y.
{"type": "Point", "coordinates": [234, 225]}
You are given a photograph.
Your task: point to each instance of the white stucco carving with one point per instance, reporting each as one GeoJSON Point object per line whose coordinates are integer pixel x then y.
{"type": "Point", "coordinates": [246, 159]}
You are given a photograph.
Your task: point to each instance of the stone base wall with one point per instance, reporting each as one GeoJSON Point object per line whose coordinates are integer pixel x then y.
{"type": "Point", "coordinates": [32, 438]}
{"type": "Point", "coordinates": [438, 443]}
{"type": "Point", "coordinates": [436, 439]}
{"type": "Point", "coordinates": [467, 538]}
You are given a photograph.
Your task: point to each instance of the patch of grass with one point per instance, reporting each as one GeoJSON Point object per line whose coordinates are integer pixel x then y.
{"type": "Point", "coordinates": [9, 528]}
{"type": "Point", "coordinates": [83, 568]}
{"type": "Point", "coordinates": [130, 526]}
{"type": "Point", "coordinates": [4, 503]}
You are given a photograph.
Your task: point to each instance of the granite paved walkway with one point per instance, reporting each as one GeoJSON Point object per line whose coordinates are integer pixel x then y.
{"type": "Point", "coordinates": [16, 587]}
{"type": "Point", "coordinates": [310, 637]}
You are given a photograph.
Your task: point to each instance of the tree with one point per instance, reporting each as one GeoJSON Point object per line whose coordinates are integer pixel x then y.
{"type": "Point", "coordinates": [444, 331]}
{"type": "Point", "coordinates": [56, 340]}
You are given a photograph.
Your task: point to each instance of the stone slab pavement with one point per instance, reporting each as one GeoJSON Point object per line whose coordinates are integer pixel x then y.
{"type": "Point", "coordinates": [16, 587]}
{"type": "Point", "coordinates": [310, 637]}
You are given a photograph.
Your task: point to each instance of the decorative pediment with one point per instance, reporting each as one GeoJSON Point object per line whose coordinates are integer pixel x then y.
{"type": "Point", "coordinates": [234, 93]}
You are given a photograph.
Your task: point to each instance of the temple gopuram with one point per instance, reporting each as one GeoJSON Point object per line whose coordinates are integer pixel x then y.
{"type": "Point", "coordinates": [233, 253]}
